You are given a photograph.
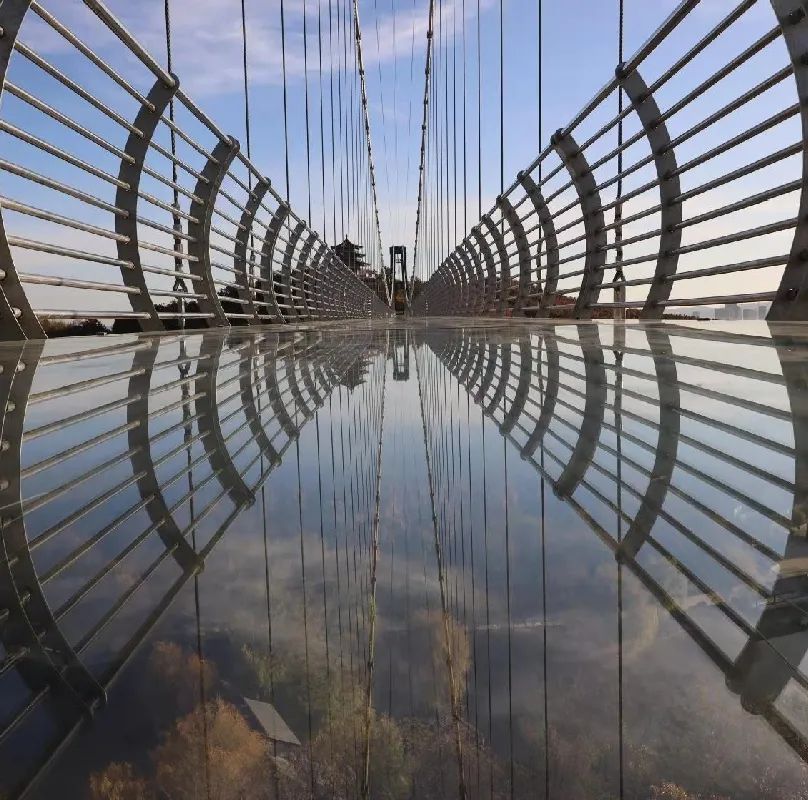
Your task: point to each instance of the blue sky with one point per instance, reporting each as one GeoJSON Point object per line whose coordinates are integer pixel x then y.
{"type": "Point", "coordinates": [579, 46]}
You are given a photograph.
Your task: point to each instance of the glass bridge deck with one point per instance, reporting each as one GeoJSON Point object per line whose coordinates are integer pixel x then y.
{"type": "Point", "coordinates": [406, 560]}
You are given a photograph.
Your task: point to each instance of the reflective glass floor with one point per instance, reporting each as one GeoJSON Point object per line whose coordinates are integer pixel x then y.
{"type": "Point", "coordinates": [425, 560]}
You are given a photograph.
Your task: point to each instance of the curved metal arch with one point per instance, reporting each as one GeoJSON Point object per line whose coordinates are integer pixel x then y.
{"type": "Point", "coordinates": [457, 283]}
{"type": "Point", "coordinates": [511, 216]}
{"type": "Point", "coordinates": [31, 636]}
{"type": "Point", "coordinates": [490, 288]}
{"type": "Point", "coordinates": [594, 408]}
{"type": "Point", "coordinates": [246, 223]}
{"type": "Point", "coordinates": [205, 193]}
{"type": "Point", "coordinates": [504, 265]}
{"type": "Point", "coordinates": [267, 258]}
{"type": "Point", "coordinates": [522, 388]}
{"type": "Point", "coordinates": [594, 225]}
{"type": "Point", "coordinates": [791, 301]}
{"type": "Point", "coordinates": [127, 198]}
{"type": "Point", "coordinates": [286, 271]}
{"type": "Point", "coordinates": [303, 268]}
{"type": "Point", "coordinates": [478, 283]}
{"type": "Point", "coordinates": [550, 282]}
{"type": "Point", "coordinates": [312, 298]}
{"type": "Point", "coordinates": [231, 480]}
{"type": "Point", "coordinates": [17, 319]}
{"type": "Point", "coordinates": [659, 140]}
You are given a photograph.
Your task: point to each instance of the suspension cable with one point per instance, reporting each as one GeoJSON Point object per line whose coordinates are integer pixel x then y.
{"type": "Point", "coordinates": [179, 263]}
{"type": "Point", "coordinates": [424, 122]}
{"type": "Point", "coordinates": [285, 100]}
{"type": "Point", "coordinates": [371, 168]}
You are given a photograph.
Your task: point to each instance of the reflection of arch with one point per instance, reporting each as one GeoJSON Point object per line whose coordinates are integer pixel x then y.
{"type": "Point", "coordinates": [210, 428]}
{"type": "Point", "coordinates": [137, 415]}
{"type": "Point", "coordinates": [589, 433]}
{"type": "Point", "coordinates": [667, 444]}
{"type": "Point", "coordinates": [523, 388]}
{"type": "Point", "coordinates": [767, 661]}
{"type": "Point", "coordinates": [35, 644]}
{"type": "Point", "coordinates": [777, 645]}
{"type": "Point", "coordinates": [53, 665]}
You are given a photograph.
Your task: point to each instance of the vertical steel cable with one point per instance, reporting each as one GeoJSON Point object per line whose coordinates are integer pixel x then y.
{"type": "Point", "coordinates": [508, 611]}
{"type": "Point", "coordinates": [479, 118]}
{"type": "Point", "coordinates": [333, 150]}
{"type": "Point", "coordinates": [179, 265]}
{"type": "Point", "coordinates": [620, 296]}
{"type": "Point", "coordinates": [322, 118]}
{"type": "Point", "coordinates": [454, 117]}
{"type": "Point", "coordinates": [502, 99]}
{"type": "Point", "coordinates": [306, 106]}
{"type": "Point", "coordinates": [465, 155]}
{"type": "Point", "coordinates": [285, 100]}
{"type": "Point", "coordinates": [619, 291]}
{"type": "Point", "coordinates": [419, 212]}
{"type": "Point", "coordinates": [372, 215]}
{"type": "Point", "coordinates": [249, 269]}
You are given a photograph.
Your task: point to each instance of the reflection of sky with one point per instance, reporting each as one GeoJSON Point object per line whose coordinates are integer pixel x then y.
{"type": "Point", "coordinates": [526, 577]}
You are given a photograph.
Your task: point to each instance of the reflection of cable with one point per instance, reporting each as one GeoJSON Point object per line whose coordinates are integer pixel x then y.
{"type": "Point", "coordinates": [544, 595]}
{"type": "Point", "coordinates": [461, 787]}
{"type": "Point", "coordinates": [373, 570]}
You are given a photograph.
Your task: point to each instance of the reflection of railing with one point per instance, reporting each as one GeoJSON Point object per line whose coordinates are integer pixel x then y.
{"type": "Point", "coordinates": [672, 494]}
{"type": "Point", "coordinates": [138, 487]}
{"type": "Point", "coordinates": [148, 186]}
{"type": "Point", "coordinates": [670, 217]}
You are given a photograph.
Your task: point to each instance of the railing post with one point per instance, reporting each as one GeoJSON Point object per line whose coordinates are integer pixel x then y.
{"type": "Point", "coordinates": [791, 302]}
{"type": "Point", "coordinates": [468, 271]}
{"type": "Point", "coordinates": [17, 318]}
{"type": "Point", "coordinates": [592, 213]}
{"type": "Point", "coordinates": [131, 170]}
{"type": "Point", "coordinates": [670, 219]}
{"type": "Point", "coordinates": [302, 271]}
{"type": "Point", "coordinates": [290, 312]}
{"type": "Point", "coordinates": [244, 288]}
{"type": "Point", "coordinates": [490, 288]}
{"type": "Point", "coordinates": [504, 264]}
{"type": "Point", "coordinates": [207, 188]}
{"type": "Point", "coordinates": [550, 281]}
{"type": "Point", "coordinates": [522, 248]}
{"type": "Point", "coordinates": [478, 283]}
{"type": "Point", "coordinates": [267, 257]}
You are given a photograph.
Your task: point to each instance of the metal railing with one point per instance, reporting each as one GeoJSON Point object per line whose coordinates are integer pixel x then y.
{"type": "Point", "coordinates": [700, 179]}
{"type": "Point", "coordinates": [126, 201]}
{"type": "Point", "coordinates": [698, 488]}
